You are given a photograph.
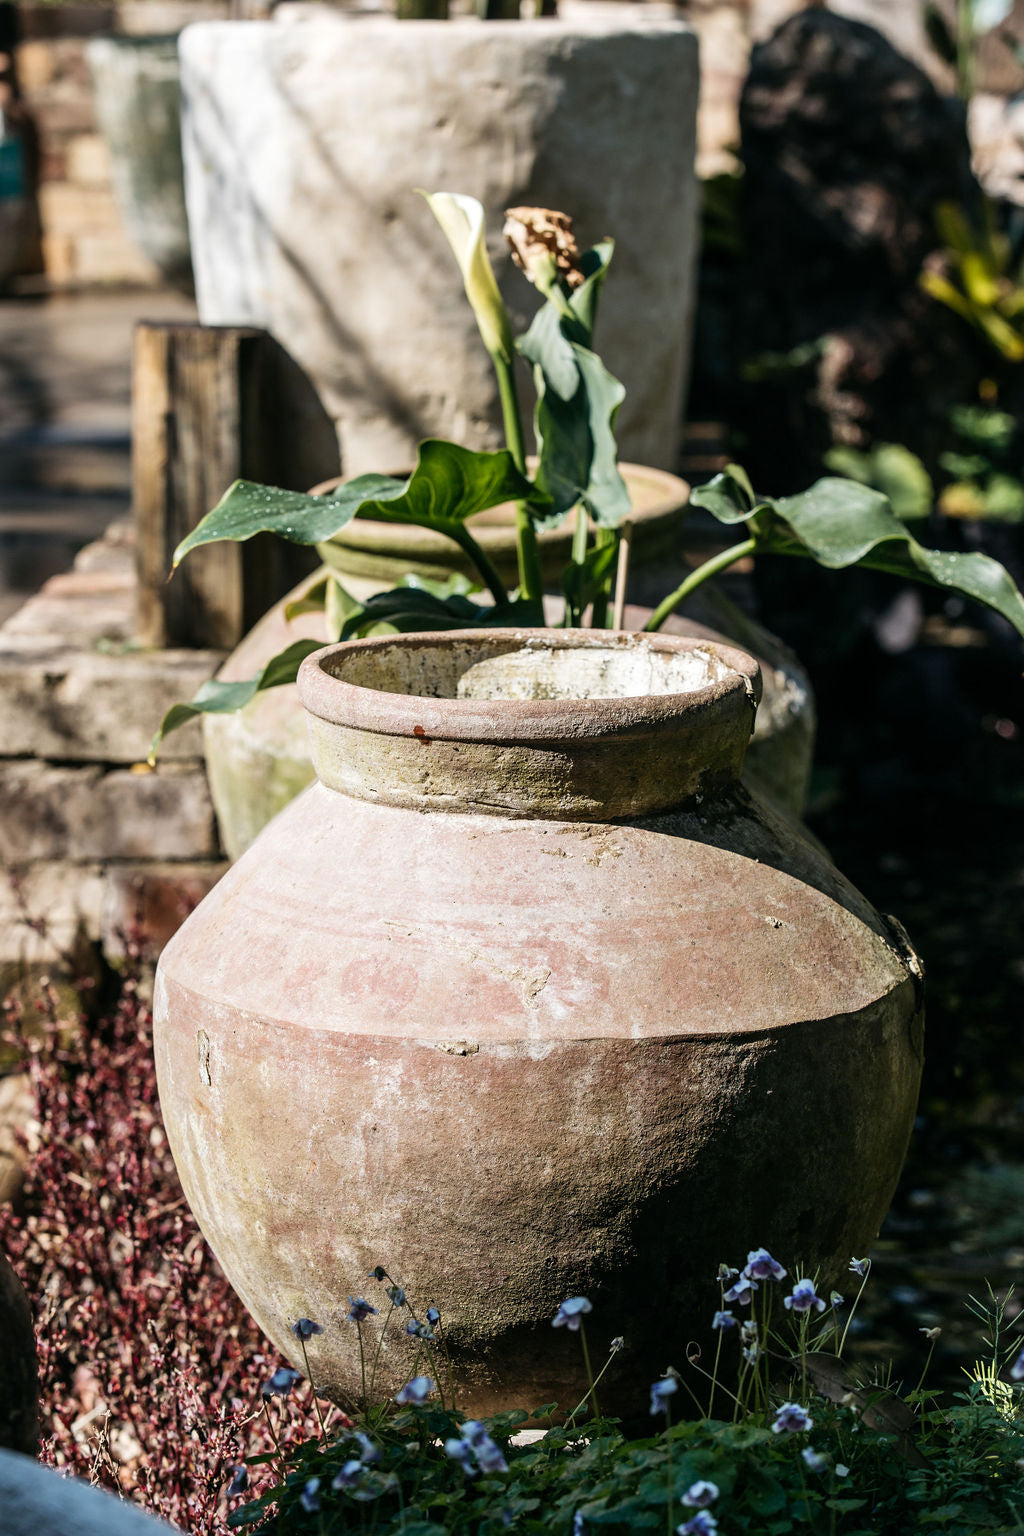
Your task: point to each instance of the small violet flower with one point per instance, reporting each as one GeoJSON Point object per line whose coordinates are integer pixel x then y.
{"type": "Point", "coordinates": [1017, 1368]}
{"type": "Point", "coordinates": [309, 1498]}
{"type": "Point", "coordinates": [742, 1292]}
{"type": "Point", "coordinates": [461, 1451]}
{"type": "Point", "coordinates": [305, 1328]}
{"type": "Point", "coordinates": [378, 1272]}
{"type": "Point", "coordinates": [703, 1523]}
{"type": "Point", "coordinates": [815, 1461]}
{"type": "Point", "coordinates": [791, 1419]}
{"type": "Point", "coordinates": [835, 1299]}
{"type": "Point", "coordinates": [748, 1332]}
{"type": "Point", "coordinates": [661, 1391]}
{"type": "Point", "coordinates": [570, 1314]}
{"type": "Point", "coordinates": [281, 1383]}
{"type": "Point", "coordinates": [726, 1273]}
{"type": "Point", "coordinates": [397, 1295]}
{"type": "Point", "coordinates": [239, 1483]}
{"type": "Point", "coordinates": [761, 1266]}
{"type": "Point", "coordinates": [368, 1451]}
{"type": "Point", "coordinates": [860, 1266]}
{"type": "Point", "coordinates": [489, 1456]}
{"type": "Point", "coordinates": [699, 1495]}
{"type": "Point", "coordinates": [579, 1525]}
{"type": "Point", "coordinates": [616, 1344]}
{"type": "Point", "coordinates": [723, 1320]}
{"type": "Point", "coordinates": [348, 1475]}
{"type": "Point", "coordinates": [417, 1390]}
{"type": "Point", "coordinates": [433, 1315]}
{"type": "Point", "coordinates": [752, 1354]}
{"type": "Point", "coordinates": [360, 1309]}
{"type": "Point", "coordinates": [842, 1471]}
{"type": "Point", "coordinates": [803, 1298]}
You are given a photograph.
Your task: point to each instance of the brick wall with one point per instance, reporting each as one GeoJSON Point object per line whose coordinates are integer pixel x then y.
{"type": "Point", "coordinates": [83, 239]}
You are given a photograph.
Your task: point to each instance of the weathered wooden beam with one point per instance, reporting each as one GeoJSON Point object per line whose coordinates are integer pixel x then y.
{"type": "Point", "coordinates": [212, 404]}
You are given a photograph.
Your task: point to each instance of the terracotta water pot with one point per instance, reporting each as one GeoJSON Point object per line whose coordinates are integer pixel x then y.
{"type": "Point", "coordinates": [528, 998]}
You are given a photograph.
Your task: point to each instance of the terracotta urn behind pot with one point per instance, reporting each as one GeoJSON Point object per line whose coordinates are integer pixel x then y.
{"type": "Point", "coordinates": [526, 998]}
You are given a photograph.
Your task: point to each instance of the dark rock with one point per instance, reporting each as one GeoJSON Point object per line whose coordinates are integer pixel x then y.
{"type": "Point", "coordinates": [848, 147]}
{"type": "Point", "coordinates": [19, 1400]}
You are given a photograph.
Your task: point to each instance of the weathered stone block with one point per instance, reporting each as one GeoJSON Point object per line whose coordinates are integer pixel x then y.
{"type": "Point", "coordinates": [49, 811]}
{"type": "Point", "coordinates": [81, 706]}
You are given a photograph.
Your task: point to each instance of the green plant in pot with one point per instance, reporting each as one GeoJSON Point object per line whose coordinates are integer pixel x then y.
{"type": "Point", "coordinates": [837, 522]}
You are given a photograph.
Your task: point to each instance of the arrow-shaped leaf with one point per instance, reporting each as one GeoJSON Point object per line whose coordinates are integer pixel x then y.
{"type": "Point", "coordinates": [222, 698]}
{"type": "Point", "coordinates": [448, 485]}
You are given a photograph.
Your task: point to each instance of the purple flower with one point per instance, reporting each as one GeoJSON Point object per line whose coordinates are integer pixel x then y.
{"type": "Point", "coordinates": [461, 1451]}
{"type": "Point", "coordinates": [761, 1266]}
{"type": "Point", "coordinates": [723, 1320]}
{"type": "Point", "coordinates": [835, 1299]}
{"type": "Point", "coordinates": [748, 1331]}
{"type": "Point", "coordinates": [281, 1383]}
{"type": "Point", "coordinates": [616, 1344]}
{"type": "Point", "coordinates": [239, 1483]}
{"type": "Point", "coordinates": [703, 1523]}
{"type": "Point", "coordinates": [742, 1292]}
{"type": "Point", "coordinates": [489, 1457]}
{"type": "Point", "coordinates": [433, 1315]}
{"type": "Point", "coordinates": [378, 1272]}
{"type": "Point", "coordinates": [661, 1391]}
{"type": "Point", "coordinates": [360, 1309]}
{"type": "Point", "coordinates": [305, 1327]}
{"type": "Point", "coordinates": [309, 1498]}
{"type": "Point", "coordinates": [860, 1266]}
{"type": "Point", "coordinates": [397, 1295]}
{"type": "Point", "coordinates": [814, 1460]}
{"type": "Point", "coordinates": [752, 1354]}
{"type": "Point", "coordinates": [791, 1419]}
{"type": "Point", "coordinates": [1017, 1368]}
{"type": "Point", "coordinates": [579, 1525]}
{"type": "Point", "coordinates": [570, 1314]}
{"type": "Point", "coordinates": [700, 1495]}
{"type": "Point", "coordinates": [803, 1298]}
{"type": "Point", "coordinates": [726, 1273]}
{"type": "Point", "coordinates": [368, 1451]}
{"type": "Point", "coordinates": [417, 1390]}
{"type": "Point", "coordinates": [348, 1476]}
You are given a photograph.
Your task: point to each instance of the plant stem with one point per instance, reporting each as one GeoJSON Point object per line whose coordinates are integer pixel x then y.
{"type": "Point", "coordinates": [465, 540]}
{"type": "Point", "coordinates": [531, 581]}
{"type": "Point", "coordinates": [719, 562]}
{"type": "Point", "coordinates": [856, 1299]}
{"type": "Point", "coordinates": [312, 1388]}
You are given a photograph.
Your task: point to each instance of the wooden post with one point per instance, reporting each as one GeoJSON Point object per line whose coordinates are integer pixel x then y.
{"type": "Point", "coordinates": [212, 404]}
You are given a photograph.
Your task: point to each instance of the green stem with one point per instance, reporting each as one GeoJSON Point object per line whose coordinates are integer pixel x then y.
{"type": "Point", "coordinates": [856, 1301]}
{"type": "Point", "coordinates": [312, 1388]}
{"type": "Point", "coordinates": [719, 562]}
{"type": "Point", "coordinates": [465, 540]}
{"type": "Point", "coordinates": [573, 613]}
{"type": "Point", "coordinates": [531, 580]}
{"type": "Point", "coordinates": [599, 612]}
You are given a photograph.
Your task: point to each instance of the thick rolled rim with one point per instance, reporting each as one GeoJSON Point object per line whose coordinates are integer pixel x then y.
{"type": "Point", "coordinates": [326, 694]}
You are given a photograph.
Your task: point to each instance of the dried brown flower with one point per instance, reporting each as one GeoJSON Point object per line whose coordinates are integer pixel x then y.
{"type": "Point", "coordinates": [539, 237]}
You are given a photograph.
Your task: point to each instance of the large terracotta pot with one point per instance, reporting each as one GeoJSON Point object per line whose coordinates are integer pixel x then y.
{"type": "Point", "coordinates": [528, 998]}
{"type": "Point", "coordinates": [258, 759]}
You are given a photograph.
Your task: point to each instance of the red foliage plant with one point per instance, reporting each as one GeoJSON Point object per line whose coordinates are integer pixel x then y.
{"type": "Point", "coordinates": [150, 1367]}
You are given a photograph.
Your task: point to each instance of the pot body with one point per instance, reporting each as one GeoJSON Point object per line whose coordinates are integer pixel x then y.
{"type": "Point", "coordinates": [305, 138]}
{"type": "Point", "coordinates": [522, 1016]}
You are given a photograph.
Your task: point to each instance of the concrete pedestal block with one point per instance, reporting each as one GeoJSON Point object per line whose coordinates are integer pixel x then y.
{"type": "Point", "coordinates": [304, 140]}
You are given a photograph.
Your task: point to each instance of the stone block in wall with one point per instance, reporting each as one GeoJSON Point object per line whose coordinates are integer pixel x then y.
{"type": "Point", "coordinates": [110, 257]}
{"type": "Point", "coordinates": [68, 209]}
{"type": "Point", "coordinates": [88, 161]}
{"type": "Point", "coordinates": [50, 921]}
{"type": "Point", "coordinates": [51, 811]}
{"type": "Point", "coordinates": [71, 705]}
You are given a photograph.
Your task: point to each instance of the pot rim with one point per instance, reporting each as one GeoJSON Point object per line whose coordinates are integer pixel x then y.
{"type": "Point", "coordinates": [330, 698]}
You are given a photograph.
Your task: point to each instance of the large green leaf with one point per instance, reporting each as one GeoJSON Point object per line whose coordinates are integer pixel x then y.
{"type": "Point", "coordinates": [574, 423]}
{"type": "Point", "coordinates": [221, 698]}
{"type": "Point", "coordinates": [410, 609]}
{"type": "Point", "coordinates": [583, 581]}
{"type": "Point", "coordinates": [448, 485]}
{"type": "Point", "coordinates": [839, 523]}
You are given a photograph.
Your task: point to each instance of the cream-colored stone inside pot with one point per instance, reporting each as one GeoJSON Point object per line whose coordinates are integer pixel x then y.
{"type": "Point", "coordinates": [536, 669]}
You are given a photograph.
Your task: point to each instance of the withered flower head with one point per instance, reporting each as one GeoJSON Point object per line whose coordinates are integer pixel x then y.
{"type": "Point", "coordinates": [543, 245]}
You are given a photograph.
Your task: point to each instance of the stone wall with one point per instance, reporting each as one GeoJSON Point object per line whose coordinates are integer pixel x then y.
{"type": "Point", "coordinates": [95, 846]}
